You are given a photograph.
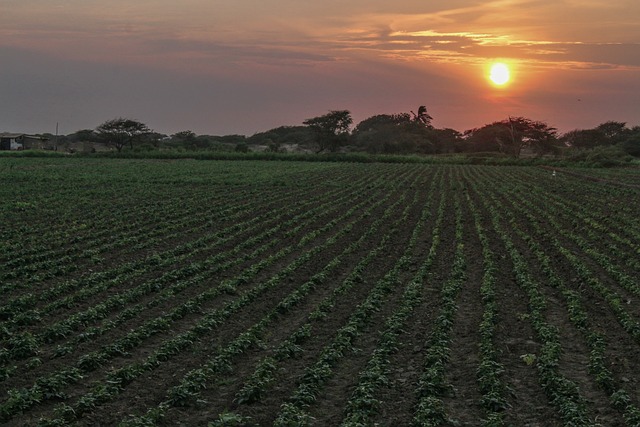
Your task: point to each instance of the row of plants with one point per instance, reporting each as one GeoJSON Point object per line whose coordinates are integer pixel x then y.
{"type": "Point", "coordinates": [43, 235]}
{"type": "Point", "coordinates": [598, 361]}
{"type": "Point", "coordinates": [156, 262]}
{"type": "Point", "coordinates": [563, 393]}
{"type": "Point", "coordinates": [614, 221]}
{"type": "Point", "coordinates": [363, 404]}
{"type": "Point", "coordinates": [215, 318]}
{"type": "Point", "coordinates": [490, 370]}
{"type": "Point", "coordinates": [163, 323]}
{"type": "Point", "coordinates": [231, 210]}
{"type": "Point", "coordinates": [186, 277]}
{"type": "Point", "coordinates": [139, 267]}
{"type": "Point", "coordinates": [187, 392]}
{"type": "Point", "coordinates": [69, 251]}
{"type": "Point", "coordinates": [626, 176]}
{"type": "Point", "coordinates": [432, 385]}
{"type": "Point", "coordinates": [593, 220]}
{"type": "Point", "coordinates": [615, 300]}
{"type": "Point", "coordinates": [587, 246]}
{"type": "Point", "coordinates": [62, 296]}
{"type": "Point", "coordinates": [67, 223]}
{"type": "Point", "coordinates": [295, 410]}
{"type": "Point", "coordinates": [41, 390]}
{"type": "Point", "coordinates": [528, 208]}
{"type": "Point", "coordinates": [264, 375]}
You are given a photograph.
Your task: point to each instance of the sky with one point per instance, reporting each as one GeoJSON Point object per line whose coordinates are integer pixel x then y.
{"type": "Point", "coordinates": [220, 67]}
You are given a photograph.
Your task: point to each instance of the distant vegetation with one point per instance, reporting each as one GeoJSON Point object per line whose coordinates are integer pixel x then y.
{"type": "Point", "coordinates": [407, 134]}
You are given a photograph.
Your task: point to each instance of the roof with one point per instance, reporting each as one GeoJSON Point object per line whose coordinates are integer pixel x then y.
{"type": "Point", "coordinates": [17, 135]}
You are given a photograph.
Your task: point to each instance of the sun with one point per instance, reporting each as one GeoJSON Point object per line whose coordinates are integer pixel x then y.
{"type": "Point", "coordinates": [499, 74]}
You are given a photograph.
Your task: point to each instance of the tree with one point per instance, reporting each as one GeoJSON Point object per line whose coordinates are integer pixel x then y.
{"type": "Point", "coordinates": [485, 139]}
{"type": "Point", "coordinates": [120, 132]}
{"type": "Point", "coordinates": [184, 136]}
{"type": "Point", "coordinates": [153, 138]}
{"type": "Point", "coordinates": [615, 132]}
{"type": "Point", "coordinates": [381, 121]}
{"type": "Point", "coordinates": [185, 139]}
{"type": "Point", "coordinates": [511, 135]}
{"type": "Point", "coordinates": [632, 144]}
{"type": "Point", "coordinates": [445, 140]}
{"type": "Point", "coordinates": [393, 134]}
{"type": "Point", "coordinates": [301, 135]}
{"type": "Point", "coordinates": [422, 117]}
{"type": "Point", "coordinates": [607, 133]}
{"type": "Point", "coordinates": [584, 138]}
{"type": "Point", "coordinates": [83, 135]}
{"type": "Point", "coordinates": [331, 130]}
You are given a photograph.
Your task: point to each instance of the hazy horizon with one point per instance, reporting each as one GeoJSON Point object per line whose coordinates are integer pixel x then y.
{"type": "Point", "coordinates": [241, 67]}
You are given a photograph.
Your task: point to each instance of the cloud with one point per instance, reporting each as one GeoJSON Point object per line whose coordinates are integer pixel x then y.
{"type": "Point", "coordinates": [219, 34]}
{"type": "Point", "coordinates": [205, 64]}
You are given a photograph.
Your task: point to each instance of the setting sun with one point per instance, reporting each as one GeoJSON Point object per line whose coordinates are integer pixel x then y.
{"type": "Point", "coordinates": [499, 74]}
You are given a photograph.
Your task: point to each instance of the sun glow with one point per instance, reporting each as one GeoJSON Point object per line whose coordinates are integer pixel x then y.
{"type": "Point", "coordinates": [499, 74]}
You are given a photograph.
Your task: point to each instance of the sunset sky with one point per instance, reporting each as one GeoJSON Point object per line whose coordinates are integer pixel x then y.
{"type": "Point", "coordinates": [238, 66]}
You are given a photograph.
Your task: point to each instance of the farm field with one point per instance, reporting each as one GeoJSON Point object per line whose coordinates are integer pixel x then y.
{"type": "Point", "coordinates": [621, 176]}
{"type": "Point", "coordinates": [148, 292]}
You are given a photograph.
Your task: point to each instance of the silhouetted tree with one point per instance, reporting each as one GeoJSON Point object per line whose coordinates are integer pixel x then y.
{"type": "Point", "coordinates": [184, 136]}
{"type": "Point", "coordinates": [422, 117]}
{"type": "Point", "coordinates": [188, 140]}
{"type": "Point", "coordinates": [153, 138]}
{"type": "Point", "coordinates": [301, 135]}
{"type": "Point", "coordinates": [583, 138]}
{"type": "Point", "coordinates": [511, 135]}
{"type": "Point", "coordinates": [486, 138]}
{"type": "Point", "coordinates": [83, 135]}
{"type": "Point", "coordinates": [607, 133]}
{"type": "Point", "coordinates": [120, 132]}
{"type": "Point", "coordinates": [380, 121]}
{"type": "Point", "coordinates": [393, 134]}
{"type": "Point", "coordinates": [632, 143]}
{"type": "Point", "coordinates": [614, 132]}
{"type": "Point", "coordinates": [445, 140]}
{"type": "Point", "coordinates": [331, 130]}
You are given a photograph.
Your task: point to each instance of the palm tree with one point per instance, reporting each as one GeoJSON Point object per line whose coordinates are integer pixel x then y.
{"type": "Point", "coordinates": [422, 117]}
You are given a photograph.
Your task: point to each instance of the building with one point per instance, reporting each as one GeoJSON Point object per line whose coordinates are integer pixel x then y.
{"type": "Point", "coordinates": [21, 141]}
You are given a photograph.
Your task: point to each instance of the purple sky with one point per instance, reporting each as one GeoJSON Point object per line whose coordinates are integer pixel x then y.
{"type": "Point", "coordinates": [236, 66]}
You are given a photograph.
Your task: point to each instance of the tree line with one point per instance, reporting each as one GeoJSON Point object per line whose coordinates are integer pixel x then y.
{"type": "Point", "coordinates": [400, 133]}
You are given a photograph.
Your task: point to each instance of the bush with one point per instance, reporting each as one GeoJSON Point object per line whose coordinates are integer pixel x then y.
{"type": "Point", "coordinates": [33, 153]}
{"type": "Point", "coordinates": [242, 148]}
{"type": "Point", "coordinates": [632, 146]}
{"type": "Point", "coordinates": [601, 156]}
{"type": "Point", "coordinates": [144, 147]}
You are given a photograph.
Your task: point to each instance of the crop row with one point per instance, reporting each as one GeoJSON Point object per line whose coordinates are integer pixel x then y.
{"type": "Point", "coordinates": [187, 222]}
{"type": "Point", "coordinates": [26, 345]}
{"type": "Point", "coordinates": [123, 345]}
{"type": "Point", "coordinates": [220, 260]}
{"type": "Point", "coordinates": [294, 412]}
{"type": "Point", "coordinates": [524, 207]}
{"type": "Point", "coordinates": [490, 369]}
{"type": "Point", "coordinates": [319, 295]}
{"type": "Point", "coordinates": [187, 392]}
